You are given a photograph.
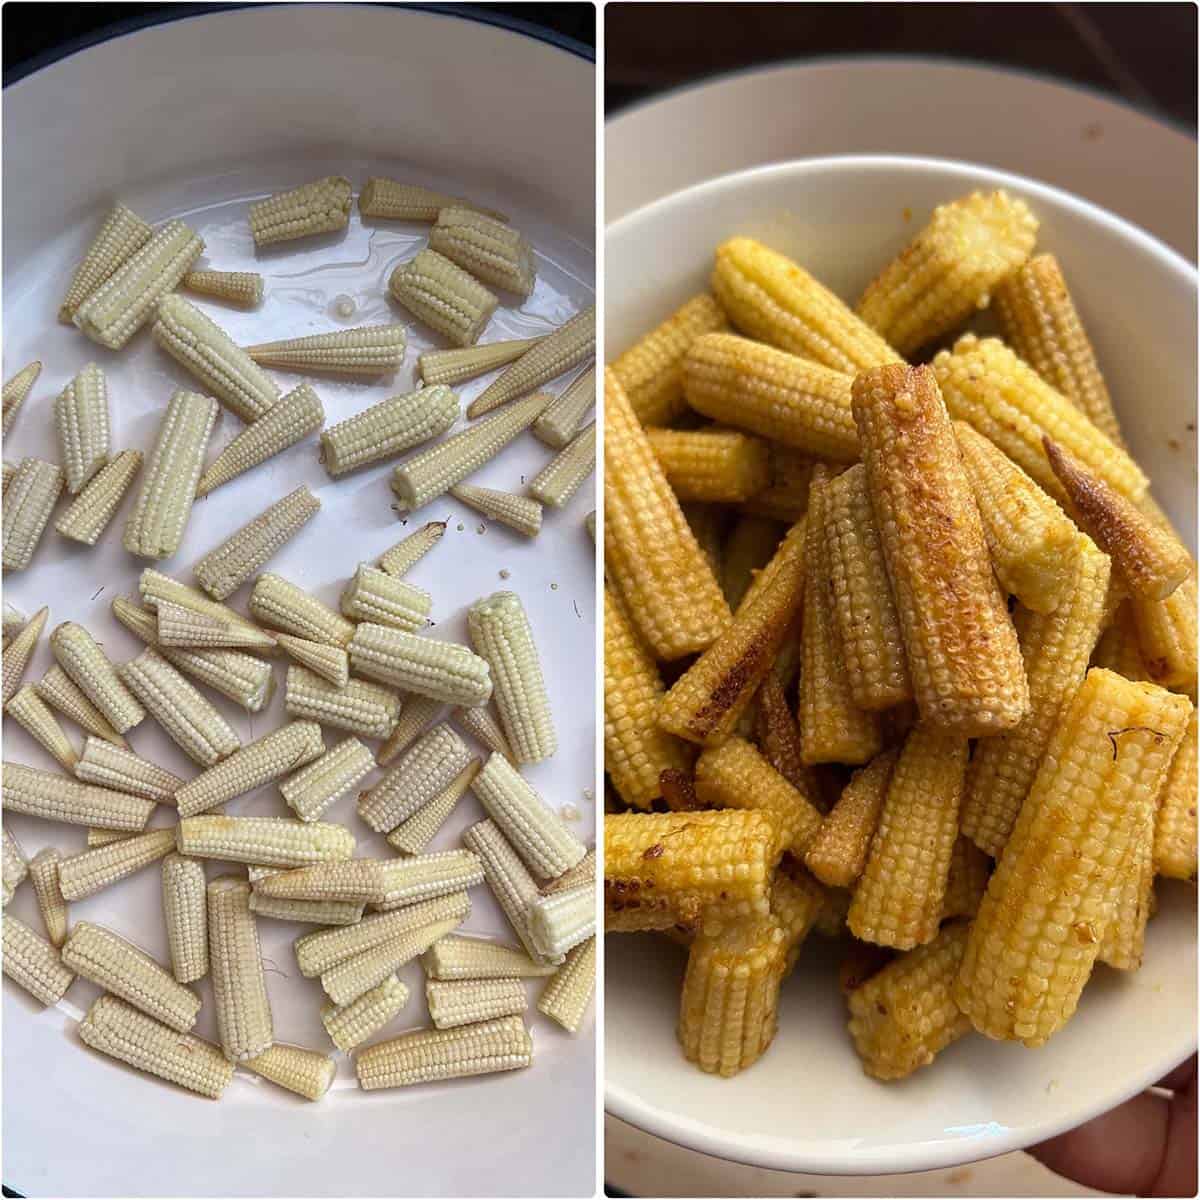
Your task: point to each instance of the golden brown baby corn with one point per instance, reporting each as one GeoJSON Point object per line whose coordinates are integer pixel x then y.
{"type": "Point", "coordinates": [1039, 321]}
{"type": "Point", "coordinates": [650, 552]}
{"type": "Point", "coordinates": [838, 852]}
{"type": "Point", "coordinates": [651, 370]}
{"type": "Point", "coordinates": [1166, 634]}
{"type": "Point", "coordinates": [704, 705]}
{"type": "Point", "coordinates": [713, 465]}
{"type": "Point", "coordinates": [1125, 935]}
{"type": "Point", "coordinates": [1039, 928]}
{"type": "Point", "coordinates": [772, 298]}
{"type": "Point", "coordinates": [727, 1015]}
{"type": "Point", "coordinates": [985, 384]}
{"type": "Point", "coordinates": [832, 727]}
{"type": "Point", "coordinates": [864, 612]}
{"type": "Point", "coordinates": [967, 879]}
{"type": "Point", "coordinates": [667, 869]}
{"type": "Point", "coordinates": [735, 775]}
{"type": "Point", "coordinates": [898, 900]}
{"type": "Point", "coordinates": [1175, 823]}
{"type": "Point", "coordinates": [904, 1015]}
{"type": "Point", "coordinates": [1150, 559]}
{"type": "Point", "coordinates": [786, 498]}
{"type": "Point", "coordinates": [949, 269]}
{"type": "Point", "coordinates": [1055, 647]}
{"type": "Point", "coordinates": [962, 651]}
{"type": "Point", "coordinates": [777, 395]}
{"type": "Point", "coordinates": [744, 556]}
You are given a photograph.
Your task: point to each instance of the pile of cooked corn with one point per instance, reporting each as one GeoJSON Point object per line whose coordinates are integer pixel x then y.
{"type": "Point", "coordinates": [366, 670]}
{"type": "Point", "coordinates": [898, 648]}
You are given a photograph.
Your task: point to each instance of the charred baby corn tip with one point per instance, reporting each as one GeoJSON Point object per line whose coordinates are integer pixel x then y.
{"type": "Point", "coordinates": [651, 370]}
{"type": "Point", "coordinates": [950, 269]}
{"type": "Point", "coordinates": [1166, 635]}
{"type": "Point", "coordinates": [772, 299]}
{"type": "Point", "coordinates": [963, 655]}
{"type": "Point", "coordinates": [319, 207]}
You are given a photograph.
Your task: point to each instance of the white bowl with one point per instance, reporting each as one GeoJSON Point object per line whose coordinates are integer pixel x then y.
{"type": "Point", "coordinates": [806, 1105]}
{"type": "Point", "coordinates": [199, 117]}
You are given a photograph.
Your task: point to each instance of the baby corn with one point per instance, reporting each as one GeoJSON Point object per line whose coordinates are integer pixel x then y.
{"type": "Point", "coordinates": [560, 422]}
{"type": "Point", "coordinates": [950, 269]}
{"type": "Point", "coordinates": [244, 1021]}
{"type": "Point", "coordinates": [491, 250]}
{"type": "Point", "coordinates": [387, 429]}
{"type": "Point", "coordinates": [346, 982]}
{"type": "Point", "coordinates": [667, 869]}
{"type": "Point", "coordinates": [517, 512]}
{"type": "Point", "coordinates": [1039, 321]}
{"type": "Point", "coordinates": [1055, 647]}
{"type": "Point", "coordinates": [406, 553]}
{"type": "Point", "coordinates": [567, 997]}
{"type": "Point", "coordinates": [464, 1001]}
{"type": "Point", "coordinates": [16, 867]}
{"type": "Point", "coordinates": [88, 516]}
{"type": "Point", "coordinates": [28, 502]}
{"type": "Point", "coordinates": [269, 841]}
{"type": "Point", "coordinates": [81, 657]}
{"type": "Point", "coordinates": [985, 384]}
{"type": "Point", "coordinates": [414, 834]}
{"type": "Point", "coordinates": [898, 900]}
{"type": "Point", "coordinates": [769, 297]}
{"type": "Point", "coordinates": [179, 626]}
{"type": "Point", "coordinates": [15, 391]}
{"type": "Point", "coordinates": [1021, 978]}
{"type": "Point", "coordinates": [507, 879]}
{"type": "Point", "coordinates": [1175, 823]}
{"type": "Point", "coordinates": [243, 288]}
{"type": "Point", "coordinates": [43, 874]}
{"type": "Point", "coordinates": [563, 476]}
{"type": "Point", "coordinates": [374, 595]}
{"type": "Point", "coordinates": [90, 871]}
{"type": "Point", "coordinates": [112, 766]}
{"type": "Point", "coordinates": [456, 957]}
{"type": "Point", "coordinates": [350, 1025]}
{"type": "Point", "coordinates": [367, 350]}
{"type": "Point", "coordinates": [32, 713]}
{"type": "Point", "coordinates": [711, 465]}
{"type": "Point", "coordinates": [20, 650]}
{"type": "Point", "coordinates": [1166, 635]}
{"type": "Point", "coordinates": [571, 344]}
{"type": "Point", "coordinates": [429, 765]}
{"type": "Point", "coordinates": [33, 963]}
{"type": "Point", "coordinates": [357, 706]}
{"type": "Point", "coordinates": [837, 854]}
{"type": "Point", "coordinates": [451, 367]}
{"type": "Point", "coordinates": [396, 201]}
{"type": "Point", "coordinates": [309, 792]}
{"type": "Point", "coordinates": [186, 915]}
{"type": "Point", "coordinates": [443, 296]}
{"type": "Point", "coordinates": [56, 797]}
{"type": "Point", "coordinates": [319, 207]}
{"type": "Point", "coordinates": [121, 236]}
{"type": "Point", "coordinates": [1031, 540]}
{"type": "Point", "coordinates": [651, 371]}
{"type": "Point", "coordinates": [84, 429]}
{"type": "Point", "coordinates": [277, 602]}
{"type": "Point", "coordinates": [308, 1073]}
{"type": "Point", "coordinates": [962, 652]}
{"type": "Point", "coordinates": [441, 670]}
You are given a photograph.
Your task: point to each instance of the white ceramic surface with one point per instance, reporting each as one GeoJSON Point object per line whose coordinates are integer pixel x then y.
{"type": "Point", "coordinates": [200, 117]}
{"type": "Point", "coordinates": [806, 1105]}
{"type": "Point", "coordinates": [1070, 137]}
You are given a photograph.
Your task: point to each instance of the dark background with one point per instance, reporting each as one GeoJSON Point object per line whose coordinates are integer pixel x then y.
{"type": "Point", "coordinates": [1144, 54]}
{"type": "Point", "coordinates": [32, 29]}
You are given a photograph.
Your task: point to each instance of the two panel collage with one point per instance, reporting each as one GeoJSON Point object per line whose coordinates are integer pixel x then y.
{"type": "Point", "coordinates": [599, 600]}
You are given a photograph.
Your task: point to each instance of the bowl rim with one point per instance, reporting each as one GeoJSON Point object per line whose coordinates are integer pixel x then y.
{"type": "Point", "coordinates": [626, 1106]}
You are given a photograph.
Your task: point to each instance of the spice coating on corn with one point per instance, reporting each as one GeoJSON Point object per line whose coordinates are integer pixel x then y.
{"type": "Point", "coordinates": [185, 912]}
{"type": "Point", "coordinates": [279, 603]}
{"type": "Point", "coordinates": [90, 871]}
{"type": "Point", "coordinates": [19, 651]}
{"type": "Point", "coordinates": [665, 869]}
{"type": "Point", "coordinates": [269, 758]}
{"type": "Point", "coordinates": [457, 957]}
{"type": "Point", "coordinates": [88, 516]}
{"type": "Point", "coordinates": [904, 1015]}
{"type": "Point", "coordinates": [399, 559]}
{"type": "Point", "coordinates": [350, 1025]}
{"type": "Point", "coordinates": [32, 713]}
{"type": "Point", "coordinates": [187, 717]}
{"type": "Point", "coordinates": [226, 567]}
{"type": "Point", "coordinates": [898, 900]}
{"type": "Point", "coordinates": [28, 502]}
{"type": "Point", "coordinates": [84, 429]}
{"type": "Point", "coordinates": [318, 207]}
{"type": "Point", "coordinates": [771, 298]}
{"type": "Point", "coordinates": [1151, 560]}
{"type": "Point", "coordinates": [130, 296]}
{"type": "Point", "coordinates": [1038, 319]}
{"type": "Point", "coordinates": [366, 350]}
{"type": "Point", "coordinates": [309, 792]}
{"type": "Point", "coordinates": [397, 201]}
{"type": "Point", "coordinates": [651, 370]}
{"type": "Point", "coordinates": [650, 552]}
{"type": "Point", "coordinates": [33, 963]}
{"type": "Point", "coordinates": [444, 296]}
{"type": "Point", "coordinates": [366, 709]}
{"type": "Point", "coordinates": [15, 391]}
{"type": "Point", "coordinates": [43, 874]}
{"type": "Point", "coordinates": [560, 422]}
{"type": "Point", "coordinates": [56, 797]}
{"type": "Point", "coordinates": [572, 343]}
{"type": "Point", "coordinates": [164, 503]}
{"type": "Point", "coordinates": [962, 652]}
{"type": "Point", "coordinates": [425, 1056]}
{"type": "Point", "coordinates": [727, 1014]}
{"type": "Point", "coordinates": [271, 841]}
{"type": "Point", "coordinates": [121, 236]}
{"type": "Point", "coordinates": [985, 384]}
{"type": "Point", "coordinates": [243, 288]}
{"type": "Point", "coordinates": [465, 1001]}
{"type": "Point", "coordinates": [374, 595]}
{"type": "Point", "coordinates": [244, 1021]}
{"type": "Point", "coordinates": [1021, 978]}
{"type": "Point", "coordinates": [288, 421]}
{"type": "Point", "coordinates": [501, 633]}
{"type": "Point", "coordinates": [387, 429]}
{"type": "Point", "coordinates": [452, 367]}
{"type": "Point", "coordinates": [435, 471]}
{"type": "Point", "coordinates": [80, 656]}
{"type": "Point", "coordinates": [832, 727]}
{"type": "Point", "coordinates": [950, 269]}
{"type": "Point", "coordinates": [443, 671]}
{"type": "Point", "coordinates": [1055, 647]}
{"type": "Point", "coordinates": [837, 854]}
{"type": "Point", "coordinates": [1174, 848]}
{"type": "Point", "coordinates": [120, 1031]}
{"type": "Point", "coordinates": [491, 250]}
